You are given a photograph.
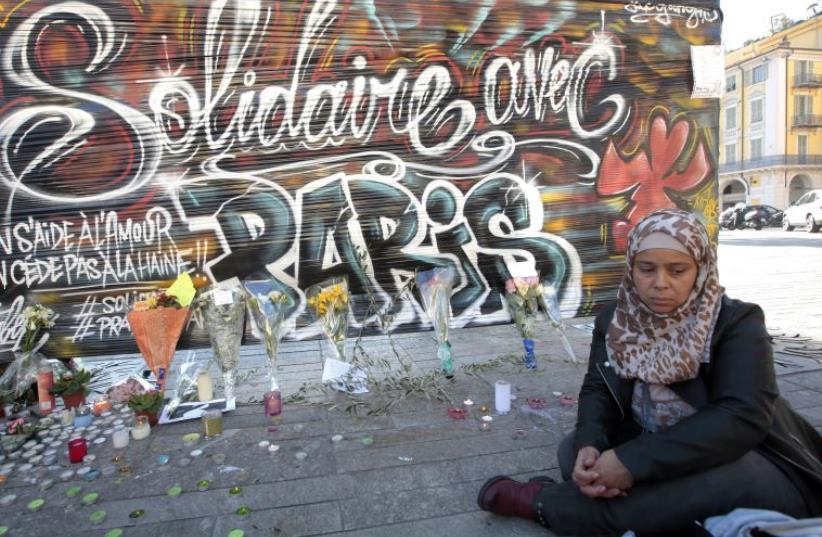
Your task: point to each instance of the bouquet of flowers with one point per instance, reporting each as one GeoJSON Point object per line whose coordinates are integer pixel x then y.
{"type": "Point", "coordinates": [268, 306]}
{"type": "Point", "coordinates": [22, 373]}
{"type": "Point", "coordinates": [157, 323]}
{"type": "Point", "coordinates": [522, 295]}
{"type": "Point", "coordinates": [435, 287]}
{"type": "Point", "coordinates": [224, 314]}
{"type": "Point", "coordinates": [329, 303]}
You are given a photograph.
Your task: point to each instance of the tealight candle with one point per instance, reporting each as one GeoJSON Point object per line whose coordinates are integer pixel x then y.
{"type": "Point", "coordinates": [485, 423]}
{"type": "Point", "coordinates": [205, 387]}
{"type": "Point", "coordinates": [141, 428]}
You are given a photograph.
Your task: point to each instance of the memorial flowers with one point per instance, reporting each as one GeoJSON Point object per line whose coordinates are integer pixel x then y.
{"type": "Point", "coordinates": [268, 307]}
{"type": "Point", "coordinates": [22, 373]}
{"type": "Point", "coordinates": [224, 316]}
{"type": "Point", "coordinates": [435, 287]}
{"type": "Point", "coordinates": [522, 294]}
{"type": "Point", "coordinates": [157, 323]}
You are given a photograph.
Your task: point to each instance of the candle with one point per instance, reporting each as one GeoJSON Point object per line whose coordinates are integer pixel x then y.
{"type": "Point", "coordinates": [205, 388]}
{"type": "Point", "coordinates": [212, 423]}
{"type": "Point", "coordinates": [120, 438]}
{"type": "Point", "coordinates": [45, 382]}
{"type": "Point", "coordinates": [485, 423]}
{"type": "Point", "coordinates": [273, 405]}
{"type": "Point", "coordinates": [82, 416]}
{"type": "Point", "coordinates": [67, 417]}
{"type": "Point", "coordinates": [100, 406]}
{"type": "Point", "coordinates": [502, 397]}
{"type": "Point", "coordinates": [77, 449]}
{"type": "Point", "coordinates": [141, 428]}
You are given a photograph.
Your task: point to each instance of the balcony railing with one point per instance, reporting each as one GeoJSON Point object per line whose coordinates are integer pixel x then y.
{"type": "Point", "coordinates": [807, 80]}
{"type": "Point", "coordinates": [770, 162]}
{"type": "Point", "coordinates": [807, 120]}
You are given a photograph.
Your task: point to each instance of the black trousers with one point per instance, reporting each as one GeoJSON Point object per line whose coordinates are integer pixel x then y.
{"type": "Point", "coordinates": [667, 507]}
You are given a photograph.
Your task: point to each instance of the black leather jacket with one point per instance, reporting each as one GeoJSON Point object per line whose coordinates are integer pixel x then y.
{"type": "Point", "coordinates": [738, 402]}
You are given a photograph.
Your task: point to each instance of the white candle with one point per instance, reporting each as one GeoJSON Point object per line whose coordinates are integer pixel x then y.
{"type": "Point", "coordinates": [120, 438]}
{"type": "Point", "coordinates": [205, 387]}
{"type": "Point", "coordinates": [67, 418]}
{"type": "Point", "coordinates": [502, 397]}
{"type": "Point", "coordinates": [141, 428]}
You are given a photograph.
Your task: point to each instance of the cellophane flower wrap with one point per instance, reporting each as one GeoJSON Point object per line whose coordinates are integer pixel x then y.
{"type": "Point", "coordinates": [223, 313]}
{"type": "Point", "coordinates": [157, 323]}
{"type": "Point", "coordinates": [328, 302]}
{"type": "Point", "coordinates": [522, 294]}
{"type": "Point", "coordinates": [549, 302]}
{"type": "Point", "coordinates": [22, 372]}
{"type": "Point", "coordinates": [435, 287]}
{"type": "Point", "coordinates": [268, 306]}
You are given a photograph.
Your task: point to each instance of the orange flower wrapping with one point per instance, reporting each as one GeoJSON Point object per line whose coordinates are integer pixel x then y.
{"type": "Point", "coordinates": [157, 332]}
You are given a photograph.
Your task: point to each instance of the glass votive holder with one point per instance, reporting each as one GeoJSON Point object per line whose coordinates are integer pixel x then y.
{"type": "Point", "coordinates": [273, 405]}
{"type": "Point", "coordinates": [82, 416]}
{"type": "Point", "coordinates": [141, 429]}
{"type": "Point", "coordinates": [77, 450]}
{"type": "Point", "coordinates": [119, 438]}
{"type": "Point", "coordinates": [212, 423]}
{"type": "Point", "coordinates": [485, 423]}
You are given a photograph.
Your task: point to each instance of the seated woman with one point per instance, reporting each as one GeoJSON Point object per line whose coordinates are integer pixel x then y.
{"type": "Point", "coordinates": [679, 415]}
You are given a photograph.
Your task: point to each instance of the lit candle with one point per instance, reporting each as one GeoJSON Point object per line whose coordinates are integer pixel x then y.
{"type": "Point", "coordinates": [273, 404]}
{"type": "Point", "coordinates": [45, 382]}
{"type": "Point", "coordinates": [485, 423]}
{"type": "Point", "coordinates": [141, 428]}
{"type": "Point", "coordinates": [100, 406]}
{"type": "Point", "coordinates": [82, 416]}
{"type": "Point", "coordinates": [77, 450]}
{"type": "Point", "coordinates": [502, 397]}
{"type": "Point", "coordinates": [212, 423]}
{"type": "Point", "coordinates": [205, 388]}
{"type": "Point", "coordinates": [120, 438]}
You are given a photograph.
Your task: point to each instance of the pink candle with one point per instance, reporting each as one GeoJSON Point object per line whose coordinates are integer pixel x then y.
{"type": "Point", "coordinates": [45, 382]}
{"type": "Point", "coordinates": [273, 403]}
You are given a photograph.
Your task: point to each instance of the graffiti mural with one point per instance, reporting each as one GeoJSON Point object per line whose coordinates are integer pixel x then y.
{"type": "Point", "coordinates": [255, 139]}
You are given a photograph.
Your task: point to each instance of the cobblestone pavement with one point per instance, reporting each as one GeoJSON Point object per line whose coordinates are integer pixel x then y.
{"type": "Point", "coordinates": [412, 472]}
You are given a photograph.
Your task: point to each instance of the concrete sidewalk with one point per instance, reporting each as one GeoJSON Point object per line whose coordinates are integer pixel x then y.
{"type": "Point", "coordinates": [412, 472]}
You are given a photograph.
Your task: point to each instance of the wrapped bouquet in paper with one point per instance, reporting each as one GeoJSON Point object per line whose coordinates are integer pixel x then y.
{"type": "Point", "coordinates": [435, 287]}
{"type": "Point", "coordinates": [268, 305]}
{"type": "Point", "coordinates": [522, 294]}
{"type": "Point", "coordinates": [224, 316]}
{"type": "Point", "coordinates": [549, 302]}
{"type": "Point", "coordinates": [329, 303]}
{"type": "Point", "coordinates": [21, 374]}
{"type": "Point", "coordinates": [157, 323]}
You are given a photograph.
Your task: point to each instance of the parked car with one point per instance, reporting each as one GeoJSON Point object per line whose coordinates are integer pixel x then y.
{"type": "Point", "coordinates": [806, 211]}
{"type": "Point", "coordinates": [744, 216]}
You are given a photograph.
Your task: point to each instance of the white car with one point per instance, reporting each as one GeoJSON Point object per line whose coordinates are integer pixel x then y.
{"type": "Point", "coordinates": [806, 211]}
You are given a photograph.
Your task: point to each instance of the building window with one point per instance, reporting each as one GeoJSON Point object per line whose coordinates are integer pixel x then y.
{"type": "Point", "coordinates": [756, 149]}
{"type": "Point", "coordinates": [758, 74]}
{"type": "Point", "coordinates": [730, 153]}
{"type": "Point", "coordinates": [803, 105]}
{"type": "Point", "coordinates": [757, 114]}
{"type": "Point", "coordinates": [730, 83]}
{"type": "Point", "coordinates": [730, 118]}
{"type": "Point", "coordinates": [802, 145]}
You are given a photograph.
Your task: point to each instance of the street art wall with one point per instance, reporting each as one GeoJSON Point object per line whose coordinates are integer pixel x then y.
{"type": "Point", "coordinates": [253, 139]}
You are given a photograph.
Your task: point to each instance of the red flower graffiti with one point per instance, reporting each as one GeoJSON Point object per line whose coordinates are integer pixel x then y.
{"type": "Point", "coordinates": [651, 176]}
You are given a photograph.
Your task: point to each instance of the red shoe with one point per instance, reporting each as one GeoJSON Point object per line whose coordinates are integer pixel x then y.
{"type": "Point", "coordinates": [504, 496]}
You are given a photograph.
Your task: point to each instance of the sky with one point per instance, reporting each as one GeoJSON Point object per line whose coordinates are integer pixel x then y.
{"type": "Point", "coordinates": [749, 19]}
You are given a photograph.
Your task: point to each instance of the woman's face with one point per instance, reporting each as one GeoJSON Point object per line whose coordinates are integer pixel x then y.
{"type": "Point", "coordinates": [664, 278]}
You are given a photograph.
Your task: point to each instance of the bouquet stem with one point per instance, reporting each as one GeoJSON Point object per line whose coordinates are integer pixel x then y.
{"type": "Point", "coordinates": [228, 384]}
{"type": "Point", "coordinates": [446, 358]}
{"type": "Point", "coordinates": [530, 358]}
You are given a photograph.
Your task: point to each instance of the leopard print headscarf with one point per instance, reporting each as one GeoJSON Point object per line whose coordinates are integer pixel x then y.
{"type": "Point", "coordinates": [664, 349]}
